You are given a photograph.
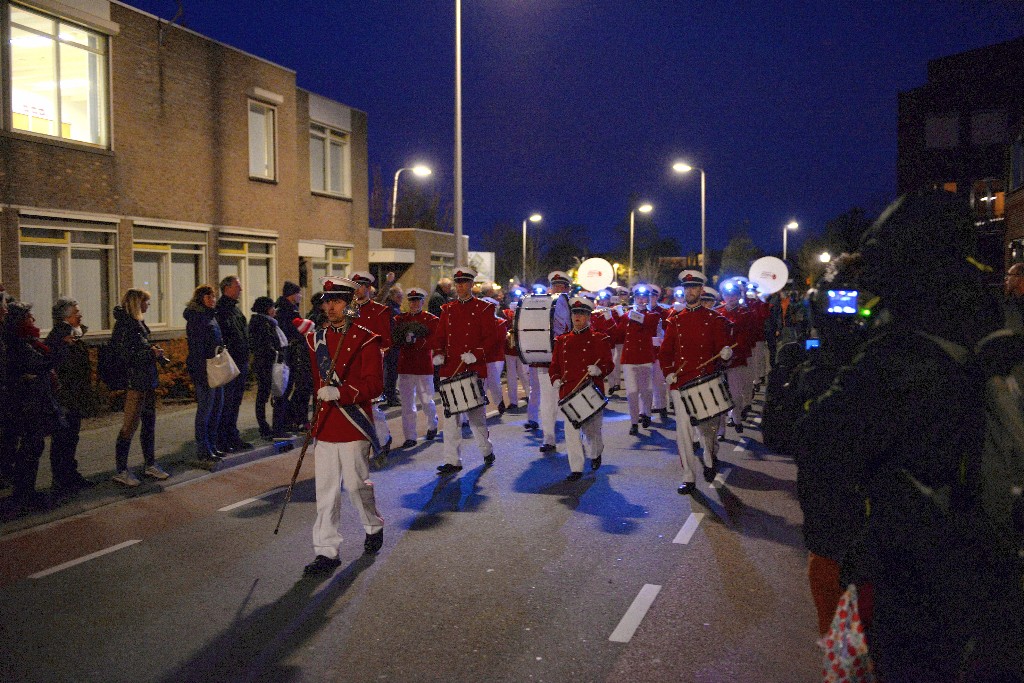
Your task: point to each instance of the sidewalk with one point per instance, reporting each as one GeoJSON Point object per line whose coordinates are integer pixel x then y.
{"type": "Point", "coordinates": [174, 452]}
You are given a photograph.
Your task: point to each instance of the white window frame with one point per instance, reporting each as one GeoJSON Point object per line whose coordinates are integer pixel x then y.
{"type": "Point", "coordinates": [244, 257]}
{"type": "Point", "coordinates": [327, 136]}
{"type": "Point", "coordinates": [442, 264]}
{"type": "Point", "coordinates": [270, 146]}
{"type": "Point", "coordinates": [168, 249]}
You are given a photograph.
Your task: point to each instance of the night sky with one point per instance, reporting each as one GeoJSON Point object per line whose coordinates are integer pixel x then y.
{"type": "Point", "coordinates": [571, 106]}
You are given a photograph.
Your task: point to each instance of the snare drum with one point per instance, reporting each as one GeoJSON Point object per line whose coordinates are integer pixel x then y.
{"type": "Point", "coordinates": [582, 404]}
{"type": "Point", "coordinates": [535, 326]}
{"type": "Point", "coordinates": [706, 397]}
{"type": "Point", "coordinates": [462, 392]}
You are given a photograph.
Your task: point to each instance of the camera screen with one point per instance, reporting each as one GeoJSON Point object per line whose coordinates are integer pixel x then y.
{"type": "Point", "coordinates": [842, 301]}
{"type": "Point", "coordinates": [812, 344]}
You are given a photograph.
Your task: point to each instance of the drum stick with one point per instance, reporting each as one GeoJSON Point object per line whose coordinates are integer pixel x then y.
{"type": "Point", "coordinates": [716, 356]}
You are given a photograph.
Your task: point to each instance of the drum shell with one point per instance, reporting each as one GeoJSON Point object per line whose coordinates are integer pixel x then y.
{"type": "Point", "coordinates": [461, 393]}
{"type": "Point", "coordinates": [707, 397]}
{"type": "Point", "coordinates": [583, 404]}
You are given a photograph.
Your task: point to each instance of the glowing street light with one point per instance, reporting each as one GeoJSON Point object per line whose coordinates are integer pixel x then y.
{"type": "Point", "coordinates": [824, 257]}
{"type": "Point", "coordinates": [535, 218]}
{"type": "Point", "coordinates": [420, 170]}
{"type": "Point", "coordinates": [792, 225]}
{"type": "Point", "coordinates": [643, 208]}
{"type": "Point", "coordinates": [680, 167]}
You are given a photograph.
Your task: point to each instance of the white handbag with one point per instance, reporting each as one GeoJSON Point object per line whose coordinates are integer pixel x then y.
{"type": "Point", "coordinates": [220, 369]}
{"type": "Point", "coordinates": [279, 374]}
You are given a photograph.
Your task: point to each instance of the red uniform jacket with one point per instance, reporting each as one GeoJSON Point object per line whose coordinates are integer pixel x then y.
{"type": "Point", "coordinates": [464, 326]}
{"type": "Point", "coordinates": [693, 337]}
{"type": "Point", "coordinates": [603, 321]}
{"type": "Point", "coordinates": [637, 347]}
{"type": "Point", "coordinates": [495, 351]}
{"type": "Point", "coordinates": [360, 378]}
{"type": "Point", "coordinates": [416, 359]}
{"type": "Point", "coordinates": [377, 318]}
{"type": "Point", "coordinates": [760, 311]}
{"type": "Point", "coordinates": [573, 353]}
{"type": "Point", "coordinates": [742, 332]}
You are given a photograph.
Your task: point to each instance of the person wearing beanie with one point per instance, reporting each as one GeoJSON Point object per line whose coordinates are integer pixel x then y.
{"type": "Point", "coordinates": [300, 378]}
{"type": "Point", "coordinates": [269, 346]}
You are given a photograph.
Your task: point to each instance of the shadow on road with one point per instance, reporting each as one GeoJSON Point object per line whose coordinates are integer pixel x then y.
{"type": "Point", "coordinates": [304, 492]}
{"type": "Point", "coordinates": [445, 494]}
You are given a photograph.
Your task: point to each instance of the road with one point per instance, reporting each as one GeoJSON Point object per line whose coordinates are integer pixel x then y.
{"type": "Point", "coordinates": [505, 573]}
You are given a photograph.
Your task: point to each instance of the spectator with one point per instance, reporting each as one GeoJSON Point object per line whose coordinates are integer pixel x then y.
{"type": "Point", "coordinates": [394, 303]}
{"type": "Point", "coordinates": [203, 335]}
{"type": "Point", "coordinates": [137, 357]}
{"type": "Point", "coordinates": [235, 329]}
{"type": "Point", "coordinates": [6, 419]}
{"type": "Point", "coordinates": [33, 409]}
{"type": "Point", "coordinates": [300, 380]}
{"type": "Point", "coordinates": [442, 295]}
{"type": "Point", "coordinates": [269, 346]}
{"type": "Point", "coordinates": [75, 392]}
{"type": "Point", "coordinates": [316, 310]}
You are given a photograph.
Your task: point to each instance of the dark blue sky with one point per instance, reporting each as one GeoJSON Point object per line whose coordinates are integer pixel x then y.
{"type": "Point", "coordinates": [570, 105]}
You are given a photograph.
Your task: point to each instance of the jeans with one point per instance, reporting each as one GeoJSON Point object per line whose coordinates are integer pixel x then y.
{"type": "Point", "coordinates": [279, 406]}
{"type": "Point", "coordinates": [62, 449]}
{"type": "Point", "coordinates": [234, 390]}
{"type": "Point", "coordinates": [209, 403]}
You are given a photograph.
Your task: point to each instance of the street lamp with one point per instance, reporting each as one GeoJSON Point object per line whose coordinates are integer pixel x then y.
{"type": "Point", "coordinates": [680, 167]}
{"type": "Point", "coordinates": [792, 225]}
{"type": "Point", "coordinates": [824, 257]}
{"type": "Point", "coordinates": [420, 170]}
{"type": "Point", "coordinates": [643, 208]}
{"type": "Point", "coordinates": [458, 132]}
{"type": "Point", "coordinates": [535, 218]}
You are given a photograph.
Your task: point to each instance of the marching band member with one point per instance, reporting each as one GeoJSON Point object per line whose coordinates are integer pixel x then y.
{"type": "Point", "coordinates": [533, 407]}
{"type": "Point", "coordinates": [761, 310]}
{"type": "Point", "coordinates": [465, 328]}
{"type": "Point", "coordinates": [709, 298]}
{"type": "Point", "coordinates": [375, 317]}
{"type": "Point", "coordinates": [560, 324]}
{"type": "Point", "coordinates": [638, 328]}
{"type": "Point", "coordinates": [696, 343]}
{"type": "Point", "coordinates": [737, 374]}
{"type": "Point", "coordinates": [580, 354]}
{"type": "Point", "coordinates": [617, 301]}
{"type": "Point", "coordinates": [343, 426]}
{"type": "Point", "coordinates": [659, 390]}
{"type": "Point", "coordinates": [415, 371]}
{"type": "Point", "coordinates": [494, 354]}
{"type": "Point", "coordinates": [515, 368]}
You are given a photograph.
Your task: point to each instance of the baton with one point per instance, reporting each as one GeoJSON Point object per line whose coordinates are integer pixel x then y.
{"type": "Point", "coordinates": [715, 357]}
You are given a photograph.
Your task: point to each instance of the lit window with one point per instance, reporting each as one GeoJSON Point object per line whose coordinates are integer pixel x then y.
{"type": "Point", "coordinates": [337, 261]}
{"type": "Point", "coordinates": [58, 78]}
{"type": "Point", "coordinates": [252, 262]}
{"type": "Point", "coordinates": [262, 141]}
{"type": "Point", "coordinates": [329, 161]}
{"type": "Point", "coordinates": [170, 270]}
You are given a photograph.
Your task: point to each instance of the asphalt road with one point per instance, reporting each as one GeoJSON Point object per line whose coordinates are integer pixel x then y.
{"type": "Point", "coordinates": [505, 573]}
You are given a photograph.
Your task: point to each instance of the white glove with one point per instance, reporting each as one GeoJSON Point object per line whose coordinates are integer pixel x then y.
{"type": "Point", "coordinates": [726, 353]}
{"type": "Point", "coordinates": [410, 338]}
{"type": "Point", "coordinates": [557, 383]}
{"type": "Point", "coordinates": [620, 310]}
{"type": "Point", "coordinates": [670, 378]}
{"type": "Point", "coordinates": [328, 393]}
{"type": "Point", "coordinates": [657, 341]}
{"type": "Point", "coordinates": [594, 371]}
{"type": "Point", "coordinates": [607, 314]}
{"type": "Point", "coordinates": [678, 306]}
{"type": "Point", "coordinates": [636, 316]}
{"type": "Point", "coordinates": [468, 358]}
{"type": "Point", "coordinates": [439, 359]}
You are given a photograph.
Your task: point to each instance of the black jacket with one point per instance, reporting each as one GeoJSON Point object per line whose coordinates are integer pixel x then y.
{"type": "Point", "coordinates": [130, 341]}
{"type": "Point", "coordinates": [74, 371]}
{"type": "Point", "coordinates": [235, 330]}
{"type": "Point", "coordinates": [204, 336]}
{"type": "Point", "coordinates": [266, 345]}
{"type": "Point", "coordinates": [286, 313]}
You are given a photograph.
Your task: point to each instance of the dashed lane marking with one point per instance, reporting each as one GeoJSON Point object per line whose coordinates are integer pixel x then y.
{"type": "Point", "coordinates": [686, 533]}
{"type": "Point", "coordinates": [240, 503]}
{"type": "Point", "coordinates": [84, 558]}
{"type": "Point", "coordinates": [720, 479]}
{"type": "Point", "coordinates": [623, 633]}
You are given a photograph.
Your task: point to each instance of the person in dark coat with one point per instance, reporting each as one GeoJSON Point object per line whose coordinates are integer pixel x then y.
{"type": "Point", "coordinates": [442, 295]}
{"type": "Point", "coordinates": [75, 393]}
{"type": "Point", "coordinates": [300, 378]}
{"type": "Point", "coordinates": [236, 338]}
{"type": "Point", "coordinates": [137, 357]}
{"type": "Point", "coordinates": [269, 346]}
{"type": "Point", "coordinates": [203, 335]}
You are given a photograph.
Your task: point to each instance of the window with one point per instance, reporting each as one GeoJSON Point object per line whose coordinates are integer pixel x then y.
{"type": "Point", "coordinates": [252, 262]}
{"type": "Point", "coordinates": [262, 141]}
{"type": "Point", "coordinates": [76, 261]}
{"type": "Point", "coordinates": [58, 78]}
{"type": "Point", "coordinates": [329, 161]}
{"type": "Point", "coordinates": [942, 132]}
{"type": "Point", "coordinates": [441, 265]}
{"type": "Point", "coordinates": [337, 261]}
{"type": "Point", "coordinates": [987, 199]}
{"type": "Point", "coordinates": [988, 128]}
{"type": "Point", "coordinates": [170, 270]}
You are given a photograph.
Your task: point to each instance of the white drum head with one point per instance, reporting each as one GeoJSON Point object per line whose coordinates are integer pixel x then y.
{"type": "Point", "coordinates": [769, 274]}
{"type": "Point", "coordinates": [594, 274]}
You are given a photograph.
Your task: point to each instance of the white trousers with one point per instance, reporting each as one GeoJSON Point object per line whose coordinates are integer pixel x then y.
{"type": "Point", "coordinates": [477, 418]}
{"type": "Point", "coordinates": [761, 361]}
{"type": "Point", "coordinates": [548, 406]}
{"type": "Point", "coordinates": [517, 372]}
{"type": "Point", "coordinates": [659, 389]}
{"type": "Point", "coordinates": [615, 378]}
{"type": "Point", "coordinates": [741, 388]}
{"type": "Point", "coordinates": [533, 407]}
{"type": "Point", "coordinates": [492, 385]}
{"type": "Point", "coordinates": [684, 440]}
{"type": "Point", "coordinates": [335, 465]}
{"type": "Point", "coordinates": [638, 390]}
{"type": "Point", "coordinates": [574, 438]}
{"type": "Point", "coordinates": [380, 423]}
{"type": "Point", "coordinates": [413, 390]}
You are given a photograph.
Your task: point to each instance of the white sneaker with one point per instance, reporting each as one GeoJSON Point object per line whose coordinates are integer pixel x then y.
{"type": "Point", "coordinates": [156, 472]}
{"type": "Point", "coordinates": [126, 478]}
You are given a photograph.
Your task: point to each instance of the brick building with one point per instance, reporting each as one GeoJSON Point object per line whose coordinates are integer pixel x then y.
{"type": "Point", "coordinates": [138, 153]}
{"type": "Point", "coordinates": [1015, 199]}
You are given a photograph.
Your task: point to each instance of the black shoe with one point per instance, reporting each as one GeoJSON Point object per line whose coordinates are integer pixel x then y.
{"type": "Point", "coordinates": [687, 489]}
{"type": "Point", "coordinates": [720, 437]}
{"type": "Point", "coordinates": [29, 500]}
{"type": "Point", "coordinates": [489, 459]}
{"type": "Point", "coordinates": [664, 414]}
{"type": "Point", "coordinates": [266, 434]}
{"type": "Point", "coordinates": [513, 408]}
{"type": "Point", "coordinates": [431, 434]}
{"type": "Point", "coordinates": [386, 448]}
{"type": "Point", "coordinates": [408, 443]}
{"type": "Point", "coordinates": [574, 476]}
{"type": "Point", "coordinates": [446, 469]}
{"type": "Point", "coordinates": [80, 482]}
{"type": "Point", "coordinates": [530, 425]}
{"type": "Point", "coordinates": [730, 423]}
{"type": "Point", "coordinates": [242, 446]}
{"type": "Point", "coordinates": [613, 389]}
{"type": "Point", "coordinates": [322, 566]}
{"type": "Point", "coordinates": [709, 474]}
{"type": "Point", "coordinates": [634, 430]}
{"type": "Point", "coordinates": [547, 448]}
{"type": "Point", "coordinates": [595, 463]}
{"type": "Point", "coordinates": [739, 428]}
{"type": "Point", "coordinates": [373, 543]}
{"type": "Point", "coordinates": [501, 408]}
{"type": "Point", "coordinates": [696, 446]}
{"type": "Point", "coordinates": [645, 421]}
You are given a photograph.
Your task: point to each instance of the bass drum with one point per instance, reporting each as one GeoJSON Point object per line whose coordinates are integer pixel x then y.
{"type": "Point", "coordinates": [534, 326]}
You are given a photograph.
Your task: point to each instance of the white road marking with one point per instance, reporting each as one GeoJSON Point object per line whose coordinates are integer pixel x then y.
{"type": "Point", "coordinates": [720, 479]}
{"type": "Point", "coordinates": [84, 558]}
{"type": "Point", "coordinates": [740, 446]}
{"type": "Point", "coordinates": [686, 533]}
{"type": "Point", "coordinates": [623, 633]}
{"type": "Point", "coordinates": [240, 503]}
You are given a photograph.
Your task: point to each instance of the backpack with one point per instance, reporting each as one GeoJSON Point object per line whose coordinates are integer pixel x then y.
{"type": "Point", "coordinates": [110, 368]}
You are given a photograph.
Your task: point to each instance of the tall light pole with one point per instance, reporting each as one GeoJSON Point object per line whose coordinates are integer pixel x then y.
{"type": "Point", "coordinates": [535, 218]}
{"type": "Point", "coordinates": [792, 225]}
{"type": "Point", "coordinates": [643, 208]}
{"type": "Point", "coordinates": [420, 170]}
{"type": "Point", "coordinates": [458, 133]}
{"type": "Point", "coordinates": [680, 167]}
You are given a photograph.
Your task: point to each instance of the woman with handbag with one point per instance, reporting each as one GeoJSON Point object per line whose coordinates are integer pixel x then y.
{"type": "Point", "coordinates": [137, 358]}
{"type": "Point", "coordinates": [204, 338]}
{"type": "Point", "coordinates": [269, 346]}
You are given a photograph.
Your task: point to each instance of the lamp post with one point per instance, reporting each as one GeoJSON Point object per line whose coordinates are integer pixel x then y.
{"type": "Point", "coordinates": [458, 132]}
{"type": "Point", "coordinates": [643, 208]}
{"type": "Point", "coordinates": [792, 225]}
{"type": "Point", "coordinates": [680, 167]}
{"type": "Point", "coordinates": [420, 170]}
{"type": "Point", "coordinates": [824, 257]}
{"type": "Point", "coordinates": [534, 218]}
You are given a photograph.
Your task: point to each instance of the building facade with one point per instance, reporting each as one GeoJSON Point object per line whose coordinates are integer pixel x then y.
{"type": "Point", "coordinates": [137, 153]}
{"type": "Point", "coordinates": [1015, 199]}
